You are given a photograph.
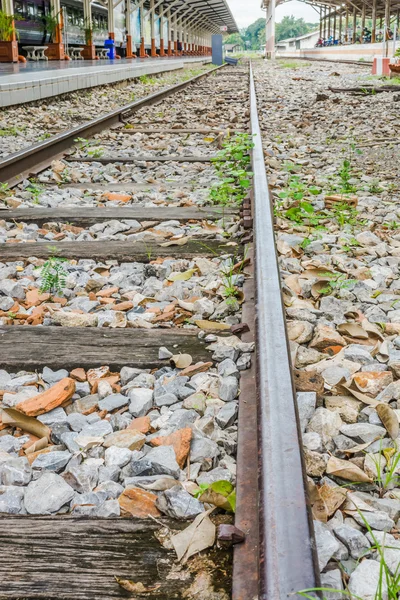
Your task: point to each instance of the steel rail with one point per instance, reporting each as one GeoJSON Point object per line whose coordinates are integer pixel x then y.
{"type": "Point", "coordinates": [288, 560]}
{"type": "Point", "coordinates": [18, 165]}
{"type": "Point", "coordinates": [330, 60]}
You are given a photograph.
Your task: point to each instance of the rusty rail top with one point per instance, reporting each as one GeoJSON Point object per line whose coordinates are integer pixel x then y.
{"type": "Point", "coordinates": [287, 547]}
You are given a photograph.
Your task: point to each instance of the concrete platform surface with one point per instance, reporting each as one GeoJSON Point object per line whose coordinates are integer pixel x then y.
{"type": "Point", "coordinates": [25, 82]}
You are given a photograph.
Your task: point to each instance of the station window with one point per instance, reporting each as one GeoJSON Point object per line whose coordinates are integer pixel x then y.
{"type": "Point", "coordinates": [31, 10]}
{"type": "Point", "coordinates": [19, 10]}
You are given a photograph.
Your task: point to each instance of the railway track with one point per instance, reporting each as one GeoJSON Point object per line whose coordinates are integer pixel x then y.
{"type": "Point", "coordinates": [129, 311]}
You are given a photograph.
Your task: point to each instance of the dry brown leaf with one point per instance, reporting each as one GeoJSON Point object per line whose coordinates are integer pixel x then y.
{"type": "Point", "coordinates": [372, 329]}
{"type": "Point", "coordinates": [358, 448]}
{"type": "Point", "coordinates": [181, 242]}
{"type": "Point", "coordinates": [346, 470]}
{"type": "Point", "coordinates": [213, 497]}
{"type": "Point", "coordinates": [322, 273]}
{"type": "Point", "coordinates": [389, 420]}
{"type": "Point", "coordinates": [353, 330]}
{"type": "Point", "coordinates": [13, 417]}
{"type": "Point", "coordinates": [212, 325]}
{"type": "Point", "coordinates": [181, 361]}
{"type": "Point", "coordinates": [197, 537]}
{"type": "Point", "coordinates": [135, 588]}
{"type": "Point", "coordinates": [292, 282]}
{"type": "Point", "coordinates": [333, 498]}
{"type": "Point", "coordinates": [360, 396]}
{"type": "Point", "coordinates": [36, 446]}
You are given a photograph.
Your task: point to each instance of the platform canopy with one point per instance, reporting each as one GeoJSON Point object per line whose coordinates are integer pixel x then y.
{"type": "Point", "coordinates": [215, 13]}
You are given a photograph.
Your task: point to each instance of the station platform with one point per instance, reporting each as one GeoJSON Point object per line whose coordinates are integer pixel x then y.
{"type": "Point", "coordinates": [25, 82]}
{"type": "Point", "coordinates": [364, 53]}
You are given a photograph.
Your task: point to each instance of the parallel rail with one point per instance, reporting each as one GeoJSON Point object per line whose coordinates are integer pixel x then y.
{"type": "Point", "coordinates": [287, 549]}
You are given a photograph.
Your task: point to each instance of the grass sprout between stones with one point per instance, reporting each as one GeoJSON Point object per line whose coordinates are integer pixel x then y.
{"type": "Point", "coordinates": [388, 585]}
{"type": "Point", "coordinates": [53, 275]}
{"type": "Point", "coordinates": [232, 163]}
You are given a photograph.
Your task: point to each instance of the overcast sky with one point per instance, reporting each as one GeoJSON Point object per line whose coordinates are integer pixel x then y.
{"type": "Point", "coordinates": [246, 13]}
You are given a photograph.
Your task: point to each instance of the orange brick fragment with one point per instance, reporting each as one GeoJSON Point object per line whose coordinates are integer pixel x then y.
{"type": "Point", "coordinates": [57, 395]}
{"type": "Point", "coordinates": [141, 424]}
{"type": "Point", "coordinates": [123, 306]}
{"type": "Point", "coordinates": [138, 503]}
{"type": "Point", "coordinates": [78, 374]}
{"type": "Point", "coordinates": [107, 292]}
{"type": "Point", "coordinates": [119, 197]}
{"type": "Point", "coordinates": [179, 440]}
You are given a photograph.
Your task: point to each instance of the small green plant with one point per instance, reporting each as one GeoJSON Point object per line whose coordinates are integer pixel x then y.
{"type": "Point", "coordinates": [82, 143]}
{"type": "Point", "coordinates": [7, 27]}
{"type": "Point", "coordinates": [11, 315]}
{"type": "Point", "coordinates": [53, 275]}
{"type": "Point", "coordinates": [387, 476]}
{"type": "Point", "coordinates": [4, 189]}
{"type": "Point", "coordinates": [96, 152]}
{"type": "Point", "coordinates": [147, 80]}
{"type": "Point", "coordinates": [345, 214]}
{"type": "Point", "coordinates": [346, 170]}
{"type": "Point", "coordinates": [391, 225]}
{"type": "Point", "coordinates": [35, 189]}
{"type": "Point", "coordinates": [336, 283]}
{"type": "Point", "coordinates": [49, 24]}
{"type": "Point", "coordinates": [44, 136]}
{"type": "Point", "coordinates": [374, 188]}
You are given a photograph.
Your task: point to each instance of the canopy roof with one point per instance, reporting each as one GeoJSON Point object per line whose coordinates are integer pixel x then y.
{"type": "Point", "coordinates": [339, 6]}
{"type": "Point", "coordinates": [212, 14]}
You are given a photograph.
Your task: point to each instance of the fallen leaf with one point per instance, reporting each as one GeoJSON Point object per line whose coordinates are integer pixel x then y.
{"type": "Point", "coordinates": [13, 417]}
{"type": "Point", "coordinates": [389, 419]}
{"type": "Point", "coordinates": [358, 448]}
{"type": "Point", "coordinates": [362, 397]}
{"type": "Point", "coordinates": [182, 276]}
{"type": "Point", "coordinates": [353, 330]}
{"type": "Point", "coordinates": [136, 588]}
{"type": "Point", "coordinates": [38, 445]}
{"type": "Point", "coordinates": [354, 503]}
{"type": "Point", "coordinates": [181, 242]}
{"type": "Point", "coordinates": [195, 538]}
{"type": "Point", "coordinates": [162, 484]}
{"type": "Point", "coordinates": [181, 361]}
{"type": "Point", "coordinates": [346, 470]}
{"type": "Point", "coordinates": [333, 498]}
{"type": "Point", "coordinates": [322, 273]}
{"type": "Point", "coordinates": [212, 325]}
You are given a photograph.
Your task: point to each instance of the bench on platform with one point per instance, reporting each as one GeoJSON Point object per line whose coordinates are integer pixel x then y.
{"type": "Point", "coordinates": [102, 52]}
{"type": "Point", "coordinates": [76, 53]}
{"type": "Point", "coordinates": [36, 52]}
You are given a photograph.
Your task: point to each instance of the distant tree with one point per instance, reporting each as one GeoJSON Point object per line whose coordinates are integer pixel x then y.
{"type": "Point", "coordinates": [291, 27]}
{"type": "Point", "coordinates": [234, 38]}
{"type": "Point", "coordinates": [253, 31]}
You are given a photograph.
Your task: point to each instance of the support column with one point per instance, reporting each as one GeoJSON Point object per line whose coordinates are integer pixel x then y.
{"type": "Point", "coordinates": [329, 22]}
{"type": "Point", "coordinates": [89, 51]}
{"type": "Point", "coordinates": [169, 50]}
{"type": "Point", "coordinates": [334, 25]}
{"type": "Point", "coordinates": [362, 22]}
{"type": "Point", "coordinates": [325, 11]}
{"type": "Point", "coordinates": [153, 52]}
{"type": "Point", "coordinates": [128, 14]}
{"type": "Point", "coordinates": [111, 35]}
{"type": "Point", "coordinates": [320, 23]}
{"type": "Point", "coordinates": [387, 17]}
{"type": "Point", "coordinates": [9, 47]}
{"type": "Point", "coordinates": [354, 25]}
{"type": "Point", "coordinates": [175, 34]}
{"type": "Point", "coordinates": [340, 25]}
{"type": "Point", "coordinates": [142, 51]}
{"type": "Point", "coordinates": [346, 37]}
{"type": "Point", "coordinates": [373, 28]}
{"type": "Point", "coordinates": [270, 31]}
{"type": "Point", "coordinates": [162, 51]}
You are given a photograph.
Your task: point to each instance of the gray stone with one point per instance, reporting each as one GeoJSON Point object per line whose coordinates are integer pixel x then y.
{"type": "Point", "coordinates": [109, 474]}
{"type": "Point", "coordinates": [98, 429]}
{"type": "Point", "coordinates": [12, 288]}
{"type": "Point", "coordinates": [181, 418]}
{"type": "Point", "coordinates": [109, 508]}
{"type": "Point", "coordinates": [202, 449]}
{"type": "Point", "coordinates": [312, 441]}
{"type": "Point", "coordinates": [196, 402]}
{"type": "Point", "coordinates": [129, 373]}
{"type": "Point", "coordinates": [112, 402]}
{"type": "Point", "coordinates": [12, 499]}
{"type": "Point", "coordinates": [358, 353]}
{"type": "Point", "coordinates": [117, 456]}
{"type": "Point", "coordinates": [57, 415]}
{"type": "Point", "coordinates": [141, 401]}
{"type": "Point", "coordinates": [390, 547]}
{"type": "Point", "coordinates": [177, 503]}
{"type": "Point", "coordinates": [52, 461]}
{"type": "Point", "coordinates": [85, 404]}
{"type": "Point", "coordinates": [82, 478]}
{"type": "Point", "coordinates": [47, 494]}
{"type": "Point", "coordinates": [68, 439]}
{"type": "Point", "coordinates": [95, 498]}
{"type": "Point", "coordinates": [354, 540]}
{"type": "Point", "coordinates": [229, 388]}
{"type": "Point", "coordinates": [326, 423]}
{"type": "Point", "coordinates": [111, 488]}
{"type": "Point", "coordinates": [164, 353]}
{"type": "Point", "coordinates": [228, 368]}
{"type": "Point", "coordinates": [306, 402]}
{"type": "Point", "coordinates": [332, 375]}
{"type": "Point", "coordinates": [365, 579]}
{"type": "Point", "coordinates": [166, 400]}
{"type": "Point", "coordinates": [52, 377]}
{"type": "Point", "coordinates": [15, 471]}
{"type": "Point", "coordinates": [376, 520]}
{"type": "Point", "coordinates": [327, 544]}
{"type": "Point", "coordinates": [163, 461]}
{"type": "Point", "coordinates": [365, 432]}
{"type": "Point", "coordinates": [8, 443]}
{"type": "Point", "coordinates": [77, 421]}
{"type": "Point", "coordinates": [227, 415]}
{"type": "Point", "coordinates": [221, 352]}
{"type": "Point", "coordinates": [218, 474]}
{"type": "Point", "coordinates": [332, 580]}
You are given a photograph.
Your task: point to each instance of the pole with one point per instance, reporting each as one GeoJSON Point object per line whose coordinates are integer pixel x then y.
{"type": "Point", "coordinates": [346, 35]}
{"type": "Point", "coordinates": [373, 32]}
{"type": "Point", "coordinates": [354, 25]}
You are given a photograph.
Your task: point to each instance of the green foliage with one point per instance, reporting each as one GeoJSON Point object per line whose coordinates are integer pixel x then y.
{"type": "Point", "coordinates": [9, 131]}
{"type": "Point", "coordinates": [35, 189]}
{"type": "Point", "coordinates": [291, 27]}
{"type": "Point", "coordinates": [49, 24]}
{"type": "Point", "coordinates": [96, 152]}
{"type": "Point", "coordinates": [231, 164]}
{"type": "Point", "coordinates": [53, 275]}
{"type": "Point", "coordinates": [336, 283]}
{"type": "Point", "coordinates": [223, 488]}
{"type": "Point", "coordinates": [7, 28]}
